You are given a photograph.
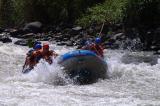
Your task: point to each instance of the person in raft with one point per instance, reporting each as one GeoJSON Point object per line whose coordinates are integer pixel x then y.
{"type": "Point", "coordinates": [40, 53]}
{"type": "Point", "coordinates": [96, 47]}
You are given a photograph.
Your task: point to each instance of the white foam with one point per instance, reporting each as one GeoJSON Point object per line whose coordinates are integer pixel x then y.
{"type": "Point", "coordinates": [11, 49]}
{"type": "Point", "coordinates": [129, 85]}
{"type": "Point", "coordinates": [44, 72]}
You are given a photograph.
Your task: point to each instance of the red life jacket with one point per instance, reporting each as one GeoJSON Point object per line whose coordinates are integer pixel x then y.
{"type": "Point", "coordinates": [98, 49]}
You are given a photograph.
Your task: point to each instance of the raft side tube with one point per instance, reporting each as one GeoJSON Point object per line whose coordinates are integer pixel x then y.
{"type": "Point", "coordinates": [84, 66]}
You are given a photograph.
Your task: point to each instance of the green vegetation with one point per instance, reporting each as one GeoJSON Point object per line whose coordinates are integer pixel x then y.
{"type": "Point", "coordinates": [84, 12]}
{"type": "Point", "coordinates": [50, 11]}
{"type": "Point", "coordinates": [111, 11]}
{"type": "Point", "coordinates": [130, 12]}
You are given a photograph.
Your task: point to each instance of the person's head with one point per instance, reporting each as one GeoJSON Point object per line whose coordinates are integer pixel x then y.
{"type": "Point", "coordinates": [98, 40]}
{"type": "Point", "coordinates": [30, 52]}
{"type": "Point", "coordinates": [35, 43]}
{"type": "Point", "coordinates": [37, 46]}
{"type": "Point", "coordinates": [45, 47]}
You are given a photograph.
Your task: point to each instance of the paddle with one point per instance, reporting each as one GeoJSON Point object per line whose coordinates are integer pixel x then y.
{"type": "Point", "coordinates": [101, 33]}
{"type": "Point", "coordinates": [26, 68]}
{"type": "Point", "coordinates": [24, 64]}
{"type": "Point", "coordinates": [101, 30]}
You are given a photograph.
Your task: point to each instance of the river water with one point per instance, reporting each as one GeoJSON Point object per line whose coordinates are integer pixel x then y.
{"type": "Point", "coordinates": [128, 85]}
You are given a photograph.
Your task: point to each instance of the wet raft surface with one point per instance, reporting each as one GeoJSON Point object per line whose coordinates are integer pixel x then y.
{"type": "Point", "coordinates": [83, 66]}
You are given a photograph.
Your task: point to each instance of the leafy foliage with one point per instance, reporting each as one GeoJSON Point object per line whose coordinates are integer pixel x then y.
{"type": "Point", "coordinates": [111, 11]}
{"type": "Point", "coordinates": [86, 12]}
{"type": "Point", "coordinates": [50, 11]}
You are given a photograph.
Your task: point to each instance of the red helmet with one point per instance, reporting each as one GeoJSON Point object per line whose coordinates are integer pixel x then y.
{"type": "Point", "coordinates": [46, 46]}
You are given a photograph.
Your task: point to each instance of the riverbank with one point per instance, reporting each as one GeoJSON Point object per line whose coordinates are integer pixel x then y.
{"type": "Point", "coordinates": [113, 37]}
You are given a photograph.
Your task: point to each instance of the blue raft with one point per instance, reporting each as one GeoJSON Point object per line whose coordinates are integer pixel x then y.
{"type": "Point", "coordinates": [83, 66]}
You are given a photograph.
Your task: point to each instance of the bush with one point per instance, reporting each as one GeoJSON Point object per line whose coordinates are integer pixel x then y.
{"type": "Point", "coordinates": [50, 11]}
{"type": "Point", "coordinates": [132, 12]}
{"type": "Point", "coordinates": [111, 11]}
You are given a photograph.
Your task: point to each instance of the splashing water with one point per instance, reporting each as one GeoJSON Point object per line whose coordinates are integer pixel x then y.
{"type": "Point", "coordinates": [131, 44]}
{"type": "Point", "coordinates": [44, 72]}
{"type": "Point", "coordinates": [129, 84]}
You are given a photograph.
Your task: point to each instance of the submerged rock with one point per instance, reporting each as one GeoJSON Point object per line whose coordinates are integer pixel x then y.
{"type": "Point", "coordinates": [4, 37]}
{"type": "Point", "coordinates": [21, 42]}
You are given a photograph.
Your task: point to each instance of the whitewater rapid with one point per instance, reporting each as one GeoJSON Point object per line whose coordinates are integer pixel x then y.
{"type": "Point", "coordinates": [129, 84]}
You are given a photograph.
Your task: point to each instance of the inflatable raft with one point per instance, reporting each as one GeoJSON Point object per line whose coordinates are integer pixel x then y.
{"type": "Point", "coordinates": [83, 66]}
